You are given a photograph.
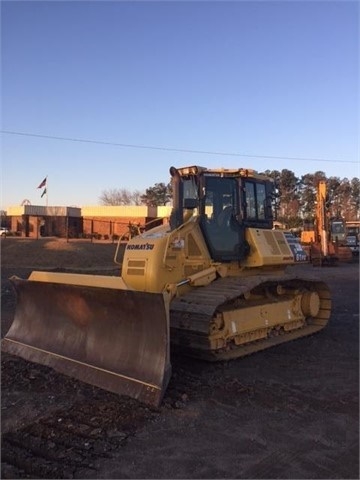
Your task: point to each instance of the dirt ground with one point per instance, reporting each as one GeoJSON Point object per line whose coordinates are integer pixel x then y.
{"type": "Point", "coordinates": [291, 411]}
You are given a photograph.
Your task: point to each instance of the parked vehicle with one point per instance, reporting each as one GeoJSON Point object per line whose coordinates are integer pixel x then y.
{"type": "Point", "coordinates": [353, 237]}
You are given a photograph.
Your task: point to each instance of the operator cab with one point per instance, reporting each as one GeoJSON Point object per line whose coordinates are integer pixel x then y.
{"type": "Point", "coordinates": [228, 201]}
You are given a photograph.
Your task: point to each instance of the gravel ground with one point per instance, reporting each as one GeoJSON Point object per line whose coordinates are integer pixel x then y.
{"type": "Point", "coordinates": [288, 412]}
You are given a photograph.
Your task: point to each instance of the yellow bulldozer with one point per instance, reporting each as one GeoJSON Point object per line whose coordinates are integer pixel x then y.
{"type": "Point", "coordinates": [214, 282]}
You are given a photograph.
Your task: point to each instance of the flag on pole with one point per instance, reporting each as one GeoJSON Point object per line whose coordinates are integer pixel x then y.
{"type": "Point", "coordinates": [43, 183]}
{"type": "Point", "coordinates": [43, 193]}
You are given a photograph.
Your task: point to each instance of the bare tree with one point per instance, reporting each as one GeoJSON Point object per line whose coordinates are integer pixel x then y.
{"type": "Point", "coordinates": [120, 196]}
{"type": "Point", "coordinates": [136, 197]}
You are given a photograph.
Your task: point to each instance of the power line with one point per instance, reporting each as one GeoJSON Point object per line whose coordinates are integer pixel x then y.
{"type": "Point", "coordinates": [169, 149]}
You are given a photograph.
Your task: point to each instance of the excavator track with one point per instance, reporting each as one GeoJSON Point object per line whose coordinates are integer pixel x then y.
{"type": "Point", "coordinates": [216, 322]}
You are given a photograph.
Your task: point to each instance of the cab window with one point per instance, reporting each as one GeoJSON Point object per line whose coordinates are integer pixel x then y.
{"type": "Point", "coordinates": [255, 196]}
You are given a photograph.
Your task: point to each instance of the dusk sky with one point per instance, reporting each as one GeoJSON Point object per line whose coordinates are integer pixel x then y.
{"type": "Point", "coordinates": [239, 81]}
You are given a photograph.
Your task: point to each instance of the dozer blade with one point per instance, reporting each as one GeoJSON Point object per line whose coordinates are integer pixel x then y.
{"type": "Point", "coordinates": [112, 338]}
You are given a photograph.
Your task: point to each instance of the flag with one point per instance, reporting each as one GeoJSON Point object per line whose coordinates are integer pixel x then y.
{"type": "Point", "coordinates": [43, 193]}
{"type": "Point", "coordinates": [43, 183]}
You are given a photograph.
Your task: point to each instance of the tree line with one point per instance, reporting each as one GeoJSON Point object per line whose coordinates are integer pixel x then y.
{"type": "Point", "coordinates": [158, 195]}
{"type": "Point", "coordinates": [294, 202]}
{"type": "Point", "coordinates": [296, 196]}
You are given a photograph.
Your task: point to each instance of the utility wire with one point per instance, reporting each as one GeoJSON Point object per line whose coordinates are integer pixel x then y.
{"type": "Point", "coordinates": [168, 149]}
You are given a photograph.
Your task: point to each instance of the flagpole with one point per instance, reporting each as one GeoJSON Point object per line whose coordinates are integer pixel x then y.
{"type": "Point", "coordinates": [47, 189]}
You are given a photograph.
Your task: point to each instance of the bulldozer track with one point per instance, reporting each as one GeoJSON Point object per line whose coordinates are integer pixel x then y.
{"type": "Point", "coordinates": [191, 314]}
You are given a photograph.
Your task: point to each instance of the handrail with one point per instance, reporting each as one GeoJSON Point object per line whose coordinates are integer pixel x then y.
{"type": "Point", "coordinates": [117, 250]}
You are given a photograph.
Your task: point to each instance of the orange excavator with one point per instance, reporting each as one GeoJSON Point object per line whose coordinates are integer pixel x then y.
{"type": "Point", "coordinates": [325, 243]}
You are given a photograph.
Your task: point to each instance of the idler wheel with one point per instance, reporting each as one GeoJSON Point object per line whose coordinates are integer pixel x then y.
{"type": "Point", "coordinates": [310, 304]}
